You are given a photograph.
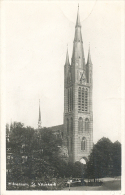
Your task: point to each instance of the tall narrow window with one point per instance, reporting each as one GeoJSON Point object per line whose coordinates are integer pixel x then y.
{"type": "Point", "coordinates": [79, 99]}
{"type": "Point", "coordinates": [83, 97]}
{"type": "Point", "coordinates": [80, 125]}
{"type": "Point", "coordinates": [67, 126]}
{"type": "Point", "coordinates": [86, 100]}
{"type": "Point", "coordinates": [86, 124]}
{"type": "Point", "coordinates": [83, 144]}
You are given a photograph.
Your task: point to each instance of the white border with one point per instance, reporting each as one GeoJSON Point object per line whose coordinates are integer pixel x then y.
{"type": "Point", "coordinates": [3, 117]}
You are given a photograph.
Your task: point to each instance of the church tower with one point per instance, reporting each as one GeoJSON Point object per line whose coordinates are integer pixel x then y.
{"type": "Point", "coordinates": [78, 113]}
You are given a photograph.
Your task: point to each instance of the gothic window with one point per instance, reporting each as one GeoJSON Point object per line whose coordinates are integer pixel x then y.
{"type": "Point", "coordinates": [82, 99]}
{"type": "Point", "coordinates": [83, 144]}
{"type": "Point", "coordinates": [67, 126]}
{"type": "Point", "coordinates": [86, 99]}
{"type": "Point", "coordinates": [86, 124]}
{"type": "Point", "coordinates": [79, 99]}
{"type": "Point", "coordinates": [80, 124]}
{"type": "Point", "coordinates": [83, 96]}
{"type": "Point", "coordinates": [70, 99]}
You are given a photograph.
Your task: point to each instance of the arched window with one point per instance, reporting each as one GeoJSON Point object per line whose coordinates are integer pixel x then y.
{"type": "Point", "coordinates": [67, 126]}
{"type": "Point", "coordinates": [80, 124]}
{"type": "Point", "coordinates": [83, 144]}
{"type": "Point", "coordinates": [79, 99]}
{"type": "Point", "coordinates": [86, 124]}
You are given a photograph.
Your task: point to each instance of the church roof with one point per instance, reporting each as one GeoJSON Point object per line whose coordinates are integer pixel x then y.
{"type": "Point", "coordinates": [57, 128]}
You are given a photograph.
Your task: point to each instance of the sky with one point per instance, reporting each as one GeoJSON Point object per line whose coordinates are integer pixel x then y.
{"type": "Point", "coordinates": [36, 35]}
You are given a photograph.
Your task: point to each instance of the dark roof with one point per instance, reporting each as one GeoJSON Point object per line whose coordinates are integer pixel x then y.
{"type": "Point", "coordinates": [57, 128]}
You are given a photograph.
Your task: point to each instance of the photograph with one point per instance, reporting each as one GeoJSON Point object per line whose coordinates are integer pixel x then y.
{"type": "Point", "coordinates": [62, 124]}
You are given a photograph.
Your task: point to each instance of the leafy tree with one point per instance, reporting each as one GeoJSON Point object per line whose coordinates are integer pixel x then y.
{"type": "Point", "coordinates": [104, 160]}
{"type": "Point", "coordinates": [116, 158]}
{"type": "Point", "coordinates": [41, 149]}
{"type": "Point", "coordinates": [78, 169]}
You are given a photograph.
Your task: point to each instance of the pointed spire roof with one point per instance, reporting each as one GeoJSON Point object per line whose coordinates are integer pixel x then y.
{"type": "Point", "coordinates": [78, 34]}
{"type": "Point", "coordinates": [67, 57]}
{"type": "Point", "coordinates": [89, 56]}
{"type": "Point", "coordinates": [78, 51]}
{"type": "Point", "coordinates": [78, 18]}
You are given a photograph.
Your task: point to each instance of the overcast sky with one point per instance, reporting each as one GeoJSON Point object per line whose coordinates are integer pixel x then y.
{"type": "Point", "coordinates": [36, 38]}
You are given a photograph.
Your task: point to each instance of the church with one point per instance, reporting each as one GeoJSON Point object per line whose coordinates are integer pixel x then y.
{"type": "Point", "coordinates": [77, 130]}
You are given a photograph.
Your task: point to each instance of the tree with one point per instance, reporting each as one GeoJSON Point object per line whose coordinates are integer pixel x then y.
{"type": "Point", "coordinates": [104, 159]}
{"type": "Point", "coordinates": [78, 169]}
{"type": "Point", "coordinates": [116, 158]}
{"type": "Point", "coordinates": [40, 148]}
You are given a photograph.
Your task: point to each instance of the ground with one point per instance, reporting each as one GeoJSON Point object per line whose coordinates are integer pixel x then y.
{"type": "Point", "coordinates": [108, 184]}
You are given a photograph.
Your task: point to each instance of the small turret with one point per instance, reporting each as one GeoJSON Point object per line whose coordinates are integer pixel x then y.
{"type": "Point", "coordinates": [89, 67]}
{"type": "Point", "coordinates": [67, 58]}
{"type": "Point", "coordinates": [67, 69]}
{"type": "Point", "coordinates": [89, 57]}
{"type": "Point", "coordinates": [39, 119]}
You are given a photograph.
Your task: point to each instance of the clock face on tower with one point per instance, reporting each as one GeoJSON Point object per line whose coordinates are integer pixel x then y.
{"type": "Point", "coordinates": [82, 78]}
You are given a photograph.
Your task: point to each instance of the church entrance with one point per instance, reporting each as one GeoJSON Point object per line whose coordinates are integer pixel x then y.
{"type": "Point", "coordinates": [83, 160]}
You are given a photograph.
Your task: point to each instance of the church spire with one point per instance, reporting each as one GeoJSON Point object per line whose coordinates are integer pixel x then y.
{"type": "Point", "coordinates": [78, 52]}
{"type": "Point", "coordinates": [39, 119]}
{"type": "Point", "coordinates": [78, 18]}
